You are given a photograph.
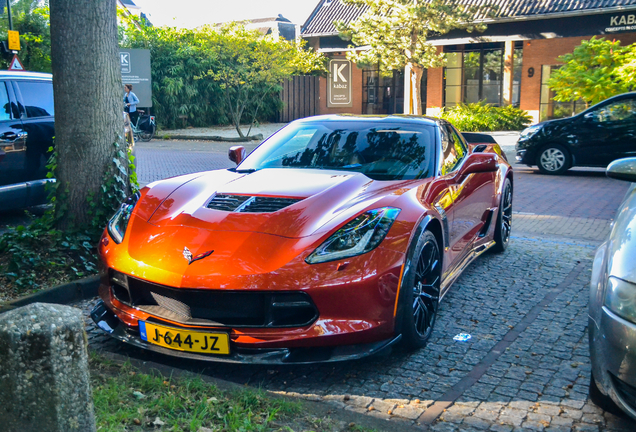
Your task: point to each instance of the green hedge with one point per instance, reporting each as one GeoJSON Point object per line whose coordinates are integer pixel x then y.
{"type": "Point", "coordinates": [481, 117]}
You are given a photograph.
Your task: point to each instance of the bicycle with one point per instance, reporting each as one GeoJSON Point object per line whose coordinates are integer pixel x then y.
{"type": "Point", "coordinates": [145, 128]}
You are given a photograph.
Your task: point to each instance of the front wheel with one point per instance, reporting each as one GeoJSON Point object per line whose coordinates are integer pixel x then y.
{"type": "Point", "coordinates": [420, 292]}
{"type": "Point", "coordinates": [554, 159]}
{"type": "Point", "coordinates": [504, 219]}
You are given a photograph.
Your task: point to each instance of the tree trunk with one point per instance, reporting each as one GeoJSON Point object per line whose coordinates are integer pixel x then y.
{"type": "Point", "coordinates": [88, 103]}
{"type": "Point", "coordinates": [412, 89]}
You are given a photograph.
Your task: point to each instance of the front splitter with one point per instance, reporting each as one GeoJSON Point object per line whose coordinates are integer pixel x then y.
{"type": "Point", "coordinates": [108, 321]}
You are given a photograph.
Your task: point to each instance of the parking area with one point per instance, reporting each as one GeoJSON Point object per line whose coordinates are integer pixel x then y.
{"type": "Point", "coordinates": [526, 364]}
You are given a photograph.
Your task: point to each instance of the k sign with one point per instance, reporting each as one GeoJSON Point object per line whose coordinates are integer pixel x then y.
{"type": "Point", "coordinates": [339, 83]}
{"type": "Point", "coordinates": [135, 70]}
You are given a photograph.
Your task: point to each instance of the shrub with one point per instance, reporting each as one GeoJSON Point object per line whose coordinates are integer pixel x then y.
{"type": "Point", "coordinates": [481, 117]}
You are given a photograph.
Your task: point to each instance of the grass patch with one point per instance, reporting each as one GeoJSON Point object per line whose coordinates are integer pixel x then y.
{"type": "Point", "coordinates": [127, 400]}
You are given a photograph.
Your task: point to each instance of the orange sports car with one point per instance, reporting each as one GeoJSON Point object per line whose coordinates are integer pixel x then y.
{"type": "Point", "coordinates": [336, 238]}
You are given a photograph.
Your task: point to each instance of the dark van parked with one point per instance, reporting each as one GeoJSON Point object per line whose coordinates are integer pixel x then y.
{"type": "Point", "coordinates": [26, 133]}
{"type": "Point", "coordinates": [597, 136]}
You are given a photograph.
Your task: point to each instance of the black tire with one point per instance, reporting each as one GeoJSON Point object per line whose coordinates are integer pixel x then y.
{"type": "Point", "coordinates": [419, 295]}
{"type": "Point", "coordinates": [602, 401]}
{"type": "Point", "coordinates": [554, 159]}
{"type": "Point", "coordinates": [503, 225]}
{"type": "Point", "coordinates": [147, 136]}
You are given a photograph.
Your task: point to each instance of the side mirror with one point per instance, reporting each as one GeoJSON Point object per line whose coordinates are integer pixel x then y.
{"type": "Point", "coordinates": [236, 154]}
{"type": "Point", "coordinates": [591, 116]}
{"type": "Point", "coordinates": [480, 163]}
{"type": "Point", "coordinates": [622, 169]}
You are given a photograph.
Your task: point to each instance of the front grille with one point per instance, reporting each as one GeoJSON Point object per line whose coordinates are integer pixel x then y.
{"type": "Point", "coordinates": [626, 392]}
{"type": "Point", "coordinates": [249, 204]}
{"type": "Point", "coordinates": [219, 307]}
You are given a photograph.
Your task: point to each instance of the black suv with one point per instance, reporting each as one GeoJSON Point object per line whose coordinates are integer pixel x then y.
{"type": "Point", "coordinates": [595, 137]}
{"type": "Point", "coordinates": [27, 127]}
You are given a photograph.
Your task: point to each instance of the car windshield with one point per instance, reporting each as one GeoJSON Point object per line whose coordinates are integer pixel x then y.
{"type": "Point", "coordinates": [381, 151]}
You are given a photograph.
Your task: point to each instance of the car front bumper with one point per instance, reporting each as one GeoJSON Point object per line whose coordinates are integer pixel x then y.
{"type": "Point", "coordinates": [111, 324]}
{"type": "Point", "coordinates": [613, 354]}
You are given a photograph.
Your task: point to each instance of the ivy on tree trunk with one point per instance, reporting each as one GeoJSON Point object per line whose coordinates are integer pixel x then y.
{"type": "Point", "coordinates": [88, 110]}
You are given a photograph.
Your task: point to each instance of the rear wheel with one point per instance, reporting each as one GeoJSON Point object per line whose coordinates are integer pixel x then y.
{"type": "Point", "coordinates": [554, 159]}
{"type": "Point", "coordinates": [147, 135]}
{"type": "Point", "coordinates": [504, 219]}
{"type": "Point", "coordinates": [420, 292]}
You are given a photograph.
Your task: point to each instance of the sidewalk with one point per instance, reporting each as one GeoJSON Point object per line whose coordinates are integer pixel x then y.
{"type": "Point", "coordinates": [265, 129]}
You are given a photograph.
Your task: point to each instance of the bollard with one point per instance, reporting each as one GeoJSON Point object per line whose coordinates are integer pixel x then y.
{"type": "Point", "coordinates": [44, 376]}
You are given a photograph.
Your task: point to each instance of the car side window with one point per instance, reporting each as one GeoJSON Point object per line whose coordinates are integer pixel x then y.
{"type": "Point", "coordinates": [5, 113]}
{"type": "Point", "coordinates": [460, 145]}
{"type": "Point", "coordinates": [623, 110]}
{"type": "Point", "coordinates": [453, 149]}
{"type": "Point", "coordinates": [37, 97]}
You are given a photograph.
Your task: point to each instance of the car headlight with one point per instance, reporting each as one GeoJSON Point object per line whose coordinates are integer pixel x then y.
{"type": "Point", "coordinates": [359, 236]}
{"type": "Point", "coordinates": [119, 222]}
{"type": "Point", "coordinates": [528, 132]}
{"type": "Point", "coordinates": [620, 298]}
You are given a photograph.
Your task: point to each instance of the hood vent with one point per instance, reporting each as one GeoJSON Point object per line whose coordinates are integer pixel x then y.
{"type": "Point", "coordinates": [249, 204]}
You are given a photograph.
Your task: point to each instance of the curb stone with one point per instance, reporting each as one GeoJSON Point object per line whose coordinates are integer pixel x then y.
{"type": "Point", "coordinates": [257, 137]}
{"type": "Point", "coordinates": [80, 289]}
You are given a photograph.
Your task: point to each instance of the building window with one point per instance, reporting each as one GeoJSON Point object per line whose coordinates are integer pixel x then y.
{"type": "Point", "coordinates": [382, 93]}
{"type": "Point", "coordinates": [517, 68]}
{"type": "Point", "coordinates": [551, 109]}
{"type": "Point", "coordinates": [475, 74]}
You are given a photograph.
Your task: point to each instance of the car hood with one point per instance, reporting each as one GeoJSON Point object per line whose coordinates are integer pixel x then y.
{"type": "Point", "coordinates": [165, 223]}
{"type": "Point", "coordinates": [296, 202]}
{"type": "Point", "coordinates": [622, 240]}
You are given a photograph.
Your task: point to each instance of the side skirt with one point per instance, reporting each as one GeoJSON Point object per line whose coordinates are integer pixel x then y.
{"type": "Point", "coordinates": [452, 275]}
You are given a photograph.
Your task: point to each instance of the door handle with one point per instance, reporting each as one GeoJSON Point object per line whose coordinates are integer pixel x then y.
{"type": "Point", "coordinates": [12, 136]}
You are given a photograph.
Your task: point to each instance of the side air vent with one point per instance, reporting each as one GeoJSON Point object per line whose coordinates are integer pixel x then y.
{"type": "Point", "coordinates": [248, 204]}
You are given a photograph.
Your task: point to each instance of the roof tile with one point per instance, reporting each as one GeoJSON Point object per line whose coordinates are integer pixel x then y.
{"type": "Point", "coordinates": [328, 11]}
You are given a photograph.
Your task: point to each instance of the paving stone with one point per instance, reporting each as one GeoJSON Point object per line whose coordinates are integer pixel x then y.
{"type": "Point", "coordinates": [477, 423]}
{"type": "Point", "coordinates": [501, 428]}
{"type": "Point", "coordinates": [562, 421]}
{"type": "Point", "coordinates": [410, 412]}
{"type": "Point", "coordinates": [532, 426]}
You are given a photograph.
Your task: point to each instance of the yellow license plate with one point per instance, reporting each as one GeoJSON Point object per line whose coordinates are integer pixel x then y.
{"type": "Point", "coordinates": [185, 340]}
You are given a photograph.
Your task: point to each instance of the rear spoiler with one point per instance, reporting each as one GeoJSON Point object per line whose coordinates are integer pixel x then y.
{"type": "Point", "coordinates": [478, 138]}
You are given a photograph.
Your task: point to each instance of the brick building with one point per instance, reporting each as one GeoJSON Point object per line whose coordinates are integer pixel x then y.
{"type": "Point", "coordinates": [508, 63]}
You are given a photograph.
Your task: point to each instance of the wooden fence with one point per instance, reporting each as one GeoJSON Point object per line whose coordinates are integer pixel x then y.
{"type": "Point", "coordinates": [300, 98]}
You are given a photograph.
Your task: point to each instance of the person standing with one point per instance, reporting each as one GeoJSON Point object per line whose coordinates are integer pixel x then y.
{"type": "Point", "coordinates": [130, 104]}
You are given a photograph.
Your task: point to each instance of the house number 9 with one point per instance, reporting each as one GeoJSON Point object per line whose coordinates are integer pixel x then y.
{"type": "Point", "coordinates": [530, 72]}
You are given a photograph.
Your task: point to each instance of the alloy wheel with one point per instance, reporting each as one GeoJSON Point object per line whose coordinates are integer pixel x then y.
{"type": "Point", "coordinates": [426, 289]}
{"type": "Point", "coordinates": [552, 159]}
{"type": "Point", "coordinates": [506, 216]}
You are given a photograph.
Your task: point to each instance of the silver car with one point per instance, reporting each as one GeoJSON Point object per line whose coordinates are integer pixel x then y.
{"type": "Point", "coordinates": [612, 315]}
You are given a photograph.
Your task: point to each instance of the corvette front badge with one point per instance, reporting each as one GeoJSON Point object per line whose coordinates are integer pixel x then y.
{"type": "Point", "coordinates": [188, 255]}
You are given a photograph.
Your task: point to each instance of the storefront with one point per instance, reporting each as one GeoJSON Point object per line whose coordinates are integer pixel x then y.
{"type": "Point", "coordinates": [508, 64]}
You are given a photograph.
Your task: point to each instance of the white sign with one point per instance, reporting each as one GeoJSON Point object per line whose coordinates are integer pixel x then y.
{"type": "Point", "coordinates": [620, 23]}
{"type": "Point", "coordinates": [339, 83]}
{"type": "Point", "coordinates": [124, 61]}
